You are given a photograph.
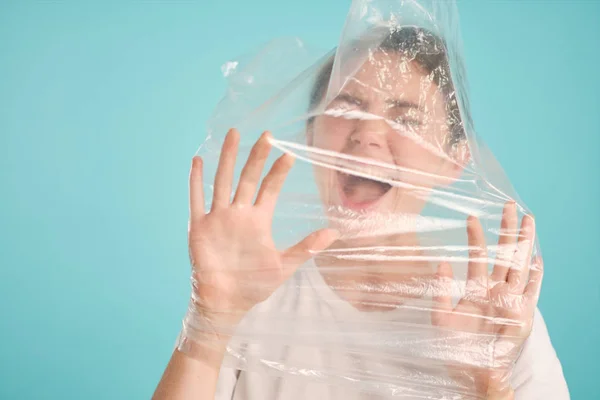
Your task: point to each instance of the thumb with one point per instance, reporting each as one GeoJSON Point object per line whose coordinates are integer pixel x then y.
{"type": "Point", "coordinates": [305, 249]}
{"type": "Point", "coordinates": [442, 295]}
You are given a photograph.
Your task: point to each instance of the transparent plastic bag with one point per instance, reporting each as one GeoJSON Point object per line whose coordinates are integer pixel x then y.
{"type": "Point", "coordinates": [429, 286]}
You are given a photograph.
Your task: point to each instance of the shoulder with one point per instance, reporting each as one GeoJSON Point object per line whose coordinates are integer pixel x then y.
{"type": "Point", "coordinates": [538, 372]}
{"type": "Point", "coordinates": [277, 315]}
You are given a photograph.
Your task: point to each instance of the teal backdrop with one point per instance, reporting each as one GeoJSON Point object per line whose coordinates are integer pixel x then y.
{"type": "Point", "coordinates": [103, 104]}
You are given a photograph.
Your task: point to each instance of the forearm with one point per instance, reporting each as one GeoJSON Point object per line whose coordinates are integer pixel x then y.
{"type": "Point", "coordinates": [191, 375]}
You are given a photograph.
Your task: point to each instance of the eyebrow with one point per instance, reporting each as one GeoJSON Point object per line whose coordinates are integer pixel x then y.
{"type": "Point", "coordinates": [348, 97]}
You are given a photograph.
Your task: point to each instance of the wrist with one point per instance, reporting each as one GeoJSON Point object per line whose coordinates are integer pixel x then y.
{"type": "Point", "coordinates": [205, 335]}
{"type": "Point", "coordinates": [207, 351]}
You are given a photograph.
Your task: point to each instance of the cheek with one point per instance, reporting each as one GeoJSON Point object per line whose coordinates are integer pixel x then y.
{"type": "Point", "coordinates": [331, 133]}
{"type": "Point", "coordinates": [414, 156]}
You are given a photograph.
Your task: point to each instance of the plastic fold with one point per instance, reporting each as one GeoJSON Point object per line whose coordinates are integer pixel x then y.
{"type": "Point", "coordinates": [429, 287]}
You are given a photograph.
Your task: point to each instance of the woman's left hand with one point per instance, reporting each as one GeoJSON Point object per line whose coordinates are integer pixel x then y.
{"type": "Point", "coordinates": [497, 308]}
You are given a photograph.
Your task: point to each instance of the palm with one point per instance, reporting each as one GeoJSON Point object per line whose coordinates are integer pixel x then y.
{"type": "Point", "coordinates": [473, 312]}
{"type": "Point", "coordinates": [496, 308]}
{"type": "Point", "coordinates": [254, 265]}
{"type": "Point", "coordinates": [234, 258]}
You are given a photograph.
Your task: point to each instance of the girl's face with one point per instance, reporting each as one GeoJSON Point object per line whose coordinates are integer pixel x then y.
{"type": "Point", "coordinates": [389, 125]}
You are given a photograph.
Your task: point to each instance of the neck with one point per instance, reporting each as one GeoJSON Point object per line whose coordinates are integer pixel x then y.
{"type": "Point", "coordinates": [376, 273]}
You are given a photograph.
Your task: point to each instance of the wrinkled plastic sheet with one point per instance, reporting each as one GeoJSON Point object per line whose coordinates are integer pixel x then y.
{"type": "Point", "coordinates": [435, 273]}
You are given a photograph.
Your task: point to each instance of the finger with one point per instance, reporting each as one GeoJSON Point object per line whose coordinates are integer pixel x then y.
{"type": "Point", "coordinates": [506, 242]}
{"type": "Point", "coordinates": [517, 275]}
{"type": "Point", "coordinates": [271, 185]}
{"type": "Point", "coordinates": [477, 269]}
{"type": "Point", "coordinates": [306, 248]}
{"type": "Point", "coordinates": [443, 293]}
{"type": "Point", "coordinates": [224, 177]}
{"type": "Point", "coordinates": [536, 273]}
{"type": "Point", "coordinates": [252, 170]}
{"type": "Point", "coordinates": [196, 189]}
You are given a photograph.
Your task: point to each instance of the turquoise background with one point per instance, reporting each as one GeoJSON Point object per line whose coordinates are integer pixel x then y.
{"type": "Point", "coordinates": [103, 104]}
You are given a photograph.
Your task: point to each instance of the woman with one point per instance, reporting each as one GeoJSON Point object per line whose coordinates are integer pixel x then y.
{"type": "Point", "coordinates": [397, 137]}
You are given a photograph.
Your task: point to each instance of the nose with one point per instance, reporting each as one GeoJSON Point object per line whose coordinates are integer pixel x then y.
{"type": "Point", "coordinates": [370, 133]}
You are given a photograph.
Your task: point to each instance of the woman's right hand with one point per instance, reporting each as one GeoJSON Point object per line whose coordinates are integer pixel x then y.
{"type": "Point", "coordinates": [234, 259]}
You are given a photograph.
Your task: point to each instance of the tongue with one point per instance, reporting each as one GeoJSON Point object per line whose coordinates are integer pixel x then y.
{"type": "Point", "coordinates": [363, 191]}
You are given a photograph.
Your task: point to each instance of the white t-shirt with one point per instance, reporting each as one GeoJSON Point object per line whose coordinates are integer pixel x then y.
{"type": "Point", "coordinates": [305, 329]}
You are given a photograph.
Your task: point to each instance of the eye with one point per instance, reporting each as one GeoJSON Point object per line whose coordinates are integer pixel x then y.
{"type": "Point", "coordinates": [406, 121]}
{"type": "Point", "coordinates": [407, 117]}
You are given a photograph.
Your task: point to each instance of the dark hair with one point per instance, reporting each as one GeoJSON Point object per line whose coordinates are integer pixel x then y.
{"type": "Point", "coordinates": [429, 52]}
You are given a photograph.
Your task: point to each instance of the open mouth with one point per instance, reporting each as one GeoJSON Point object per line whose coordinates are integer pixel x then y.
{"type": "Point", "coordinates": [360, 193]}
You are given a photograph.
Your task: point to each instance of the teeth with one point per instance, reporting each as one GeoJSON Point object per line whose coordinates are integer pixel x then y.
{"type": "Point", "coordinates": [368, 173]}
